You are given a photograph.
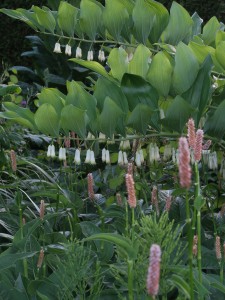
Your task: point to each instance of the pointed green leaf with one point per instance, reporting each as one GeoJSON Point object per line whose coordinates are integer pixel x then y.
{"type": "Point", "coordinates": [199, 93]}
{"type": "Point", "coordinates": [137, 91]}
{"type": "Point", "coordinates": [181, 284]}
{"type": "Point", "coordinates": [109, 117]}
{"type": "Point", "coordinates": [201, 51]}
{"type": "Point", "coordinates": [9, 89]}
{"type": "Point", "coordinates": [80, 98]}
{"type": "Point", "coordinates": [140, 62]}
{"type": "Point", "coordinates": [67, 17]}
{"type": "Point", "coordinates": [90, 17]}
{"type": "Point", "coordinates": [45, 18]}
{"type": "Point", "coordinates": [220, 53]}
{"type": "Point", "coordinates": [115, 16]}
{"type": "Point", "coordinates": [177, 114]}
{"type": "Point", "coordinates": [118, 240]}
{"type": "Point", "coordinates": [186, 68]}
{"type": "Point", "coordinates": [8, 260]}
{"type": "Point", "coordinates": [179, 27]}
{"type": "Point", "coordinates": [118, 62]}
{"type": "Point", "coordinates": [74, 119]}
{"type": "Point", "coordinates": [140, 118]}
{"type": "Point", "coordinates": [209, 31]}
{"type": "Point", "coordinates": [104, 88]}
{"type": "Point", "coordinates": [53, 97]}
{"type": "Point", "coordinates": [19, 115]}
{"type": "Point", "coordinates": [215, 123]}
{"type": "Point", "coordinates": [47, 120]}
{"type": "Point", "coordinates": [196, 30]}
{"type": "Point", "coordinates": [160, 73]}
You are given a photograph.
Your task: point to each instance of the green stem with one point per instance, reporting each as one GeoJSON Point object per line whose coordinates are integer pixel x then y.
{"type": "Point", "coordinates": [221, 271]}
{"type": "Point", "coordinates": [190, 246]}
{"type": "Point", "coordinates": [126, 219]}
{"type": "Point", "coordinates": [130, 280]}
{"type": "Point", "coordinates": [25, 266]}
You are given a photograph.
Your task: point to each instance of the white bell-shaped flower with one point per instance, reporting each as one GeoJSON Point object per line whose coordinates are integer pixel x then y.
{"type": "Point", "coordinates": [125, 161]}
{"type": "Point", "coordinates": [88, 157]}
{"type": "Point", "coordinates": [62, 153]}
{"type": "Point", "coordinates": [120, 158]}
{"type": "Point", "coordinates": [68, 50]}
{"type": "Point", "coordinates": [107, 157]}
{"type": "Point", "coordinates": [77, 159]}
{"type": "Point", "coordinates": [103, 155]}
{"type": "Point", "coordinates": [92, 158]}
{"type": "Point", "coordinates": [78, 52]}
{"type": "Point", "coordinates": [138, 159]}
{"type": "Point", "coordinates": [57, 48]}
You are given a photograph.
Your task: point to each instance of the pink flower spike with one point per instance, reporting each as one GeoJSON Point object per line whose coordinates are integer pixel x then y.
{"type": "Point", "coordinates": [131, 191]}
{"type": "Point", "coordinates": [207, 145]}
{"type": "Point", "coordinates": [154, 199]}
{"type": "Point", "coordinates": [154, 270]}
{"type": "Point", "coordinates": [198, 145]}
{"type": "Point", "coordinates": [191, 133]}
{"type": "Point", "coordinates": [184, 163]}
{"type": "Point", "coordinates": [91, 193]}
{"type": "Point", "coordinates": [218, 249]}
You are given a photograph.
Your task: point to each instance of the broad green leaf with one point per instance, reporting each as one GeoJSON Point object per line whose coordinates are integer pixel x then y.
{"type": "Point", "coordinates": [220, 36]}
{"type": "Point", "coordinates": [179, 27]}
{"type": "Point", "coordinates": [186, 68]}
{"type": "Point", "coordinates": [67, 17]}
{"type": "Point", "coordinates": [140, 62]}
{"type": "Point", "coordinates": [74, 119]}
{"type": "Point", "coordinates": [140, 118]}
{"type": "Point", "coordinates": [201, 51]}
{"type": "Point", "coordinates": [115, 16]}
{"type": "Point", "coordinates": [80, 98]}
{"type": "Point", "coordinates": [177, 114]}
{"type": "Point", "coordinates": [109, 117]}
{"type": "Point", "coordinates": [118, 240]}
{"type": "Point", "coordinates": [196, 30]}
{"type": "Point", "coordinates": [149, 17]}
{"type": "Point", "coordinates": [90, 17]}
{"type": "Point", "coordinates": [8, 260]}
{"type": "Point", "coordinates": [92, 65]}
{"type": "Point", "coordinates": [160, 73]}
{"type": "Point", "coordinates": [45, 18]}
{"type": "Point", "coordinates": [209, 31]}
{"type": "Point", "coordinates": [9, 89]}
{"type": "Point", "coordinates": [220, 53]}
{"type": "Point", "coordinates": [32, 20]}
{"type": "Point", "coordinates": [137, 91]}
{"type": "Point", "coordinates": [53, 97]}
{"type": "Point", "coordinates": [47, 120]}
{"type": "Point", "coordinates": [199, 93]}
{"type": "Point", "coordinates": [118, 62]}
{"type": "Point", "coordinates": [199, 202]}
{"type": "Point", "coordinates": [215, 123]}
{"type": "Point", "coordinates": [104, 88]}
{"type": "Point", "coordinates": [19, 115]}
{"type": "Point", "coordinates": [21, 15]}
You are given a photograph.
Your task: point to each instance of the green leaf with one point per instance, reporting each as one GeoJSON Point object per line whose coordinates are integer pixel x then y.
{"type": "Point", "coordinates": [149, 17]}
{"type": "Point", "coordinates": [209, 31]}
{"type": "Point", "coordinates": [181, 284]}
{"type": "Point", "coordinates": [109, 117]}
{"type": "Point", "coordinates": [19, 115]}
{"type": "Point", "coordinates": [160, 73]}
{"type": "Point", "coordinates": [118, 240]}
{"type": "Point", "coordinates": [199, 93]}
{"type": "Point", "coordinates": [47, 120]}
{"type": "Point", "coordinates": [92, 65]}
{"type": "Point", "coordinates": [8, 260]}
{"type": "Point", "coordinates": [201, 51]}
{"type": "Point", "coordinates": [199, 202]}
{"type": "Point", "coordinates": [115, 16]}
{"type": "Point", "coordinates": [53, 97]}
{"type": "Point", "coordinates": [45, 18]}
{"type": "Point", "coordinates": [140, 118]}
{"type": "Point", "coordinates": [137, 90]}
{"type": "Point", "coordinates": [90, 17]}
{"type": "Point", "coordinates": [74, 119]}
{"type": "Point", "coordinates": [9, 89]}
{"type": "Point", "coordinates": [67, 17]}
{"type": "Point", "coordinates": [215, 123]}
{"type": "Point", "coordinates": [80, 98]}
{"type": "Point", "coordinates": [177, 114]}
{"type": "Point", "coordinates": [104, 88]}
{"type": "Point", "coordinates": [139, 64]}
{"type": "Point", "coordinates": [196, 30]}
{"type": "Point", "coordinates": [118, 62]}
{"type": "Point", "coordinates": [186, 68]}
{"type": "Point", "coordinates": [220, 53]}
{"type": "Point", "coordinates": [179, 27]}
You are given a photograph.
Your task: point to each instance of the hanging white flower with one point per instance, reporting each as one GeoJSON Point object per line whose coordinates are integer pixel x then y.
{"type": "Point", "coordinates": [141, 156]}
{"type": "Point", "coordinates": [107, 157]}
{"type": "Point", "coordinates": [78, 52]}
{"type": "Point", "coordinates": [68, 50]}
{"type": "Point", "coordinates": [88, 157]}
{"type": "Point", "coordinates": [213, 162]}
{"type": "Point", "coordinates": [120, 158]}
{"type": "Point", "coordinates": [77, 159]}
{"type": "Point", "coordinates": [49, 151]}
{"type": "Point", "coordinates": [101, 55]}
{"type": "Point", "coordinates": [138, 159]}
{"type": "Point", "coordinates": [57, 48]}
{"type": "Point", "coordinates": [102, 137]}
{"type": "Point", "coordinates": [52, 154]}
{"type": "Point", "coordinates": [92, 158]}
{"type": "Point", "coordinates": [125, 161]}
{"type": "Point", "coordinates": [62, 153]}
{"type": "Point", "coordinates": [90, 55]}
{"type": "Point", "coordinates": [103, 155]}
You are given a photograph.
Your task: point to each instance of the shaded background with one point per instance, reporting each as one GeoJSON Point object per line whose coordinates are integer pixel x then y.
{"type": "Point", "coordinates": [13, 32]}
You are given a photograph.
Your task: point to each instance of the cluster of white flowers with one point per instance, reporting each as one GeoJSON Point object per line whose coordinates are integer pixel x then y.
{"type": "Point", "coordinates": [139, 158]}
{"type": "Point", "coordinates": [51, 151]}
{"type": "Point", "coordinates": [153, 153]}
{"type": "Point", "coordinates": [125, 145]}
{"type": "Point", "coordinates": [90, 55]}
{"type": "Point", "coordinates": [105, 156]}
{"type": "Point", "coordinates": [167, 152]}
{"type": "Point", "coordinates": [57, 49]}
{"type": "Point", "coordinates": [122, 158]}
{"type": "Point", "coordinates": [101, 55]}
